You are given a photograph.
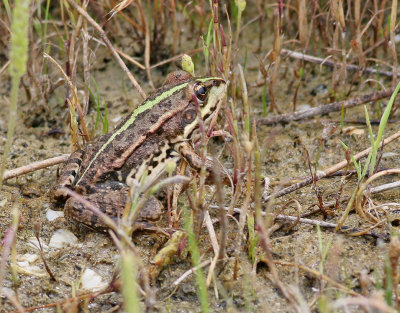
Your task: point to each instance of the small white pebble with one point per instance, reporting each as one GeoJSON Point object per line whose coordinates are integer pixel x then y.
{"type": "Point", "coordinates": [61, 238]}
{"type": "Point", "coordinates": [92, 281]}
{"type": "Point", "coordinates": [53, 215]}
{"type": "Point", "coordinates": [7, 292]}
{"type": "Point", "coordinates": [24, 265]}
{"type": "Point", "coordinates": [30, 270]}
{"type": "Point", "coordinates": [28, 257]}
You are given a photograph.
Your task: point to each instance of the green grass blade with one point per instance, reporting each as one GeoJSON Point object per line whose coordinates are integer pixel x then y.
{"type": "Point", "coordinates": [195, 254]}
{"type": "Point", "coordinates": [8, 9]}
{"type": "Point", "coordinates": [206, 43]}
{"type": "Point", "coordinates": [373, 145]}
{"type": "Point", "coordinates": [382, 126]}
{"type": "Point", "coordinates": [264, 100]}
{"type": "Point", "coordinates": [105, 119]}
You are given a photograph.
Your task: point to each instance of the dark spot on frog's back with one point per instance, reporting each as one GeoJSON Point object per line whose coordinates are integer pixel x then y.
{"type": "Point", "coordinates": [153, 118]}
{"type": "Point", "coordinates": [94, 219]}
{"type": "Point", "coordinates": [114, 211]}
{"type": "Point", "coordinates": [167, 104]}
{"type": "Point", "coordinates": [118, 137]}
{"type": "Point", "coordinates": [89, 189]}
{"type": "Point", "coordinates": [131, 138]}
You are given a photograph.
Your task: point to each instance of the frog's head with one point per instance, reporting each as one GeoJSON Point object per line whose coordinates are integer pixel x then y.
{"type": "Point", "coordinates": [206, 94]}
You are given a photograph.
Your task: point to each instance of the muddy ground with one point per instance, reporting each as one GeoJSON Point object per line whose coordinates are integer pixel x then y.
{"type": "Point", "coordinates": [283, 160]}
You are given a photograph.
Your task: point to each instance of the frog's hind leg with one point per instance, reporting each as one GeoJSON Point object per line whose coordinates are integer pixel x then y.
{"type": "Point", "coordinates": [111, 203]}
{"type": "Point", "coordinates": [68, 175]}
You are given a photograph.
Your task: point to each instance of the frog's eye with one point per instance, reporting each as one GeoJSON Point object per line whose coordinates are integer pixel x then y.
{"type": "Point", "coordinates": [188, 117]}
{"type": "Point", "coordinates": [200, 91]}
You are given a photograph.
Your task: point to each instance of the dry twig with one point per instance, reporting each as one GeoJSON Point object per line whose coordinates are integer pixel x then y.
{"type": "Point", "coordinates": [324, 109]}
{"type": "Point", "coordinates": [349, 67]}
{"type": "Point", "coordinates": [35, 166]}
{"type": "Point", "coordinates": [345, 229]}
{"type": "Point", "coordinates": [110, 46]}
{"type": "Point", "coordinates": [329, 171]}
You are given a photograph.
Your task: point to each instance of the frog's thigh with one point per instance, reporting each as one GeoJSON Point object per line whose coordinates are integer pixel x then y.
{"type": "Point", "coordinates": [112, 203]}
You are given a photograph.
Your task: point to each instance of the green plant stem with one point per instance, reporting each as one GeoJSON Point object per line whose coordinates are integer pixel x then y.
{"type": "Point", "coordinates": [195, 254]}
{"type": "Point", "coordinates": [129, 284]}
{"type": "Point", "coordinates": [18, 59]}
{"type": "Point", "coordinates": [12, 117]}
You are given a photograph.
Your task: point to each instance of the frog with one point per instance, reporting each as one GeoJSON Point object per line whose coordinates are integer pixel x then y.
{"type": "Point", "coordinates": [160, 130]}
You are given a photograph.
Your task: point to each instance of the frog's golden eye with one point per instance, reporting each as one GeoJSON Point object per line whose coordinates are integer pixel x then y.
{"type": "Point", "coordinates": [188, 117]}
{"type": "Point", "coordinates": [200, 91]}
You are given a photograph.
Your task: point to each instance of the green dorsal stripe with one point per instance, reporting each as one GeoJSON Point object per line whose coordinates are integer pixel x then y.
{"type": "Point", "coordinates": [145, 106]}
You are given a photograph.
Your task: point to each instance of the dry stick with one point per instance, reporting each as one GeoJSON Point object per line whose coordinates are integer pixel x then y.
{"type": "Point", "coordinates": [147, 43]}
{"type": "Point", "coordinates": [5, 66]}
{"type": "Point", "coordinates": [296, 219]}
{"type": "Point", "coordinates": [211, 232]}
{"type": "Point", "coordinates": [365, 304]}
{"type": "Point", "coordinates": [215, 245]}
{"type": "Point", "coordinates": [363, 187]}
{"type": "Point", "coordinates": [318, 275]}
{"type": "Point", "coordinates": [328, 171]}
{"type": "Point", "coordinates": [90, 295]}
{"type": "Point", "coordinates": [177, 57]}
{"type": "Point", "coordinates": [35, 166]}
{"type": "Point", "coordinates": [385, 187]}
{"type": "Point", "coordinates": [73, 90]}
{"type": "Point", "coordinates": [130, 59]}
{"type": "Point", "coordinates": [110, 46]}
{"type": "Point", "coordinates": [86, 66]}
{"type": "Point", "coordinates": [324, 109]}
{"type": "Point", "coordinates": [349, 67]}
{"type": "Point", "coordinates": [189, 272]}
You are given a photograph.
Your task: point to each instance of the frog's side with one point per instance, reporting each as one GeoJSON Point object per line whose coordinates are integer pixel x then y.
{"type": "Point", "coordinates": [158, 130]}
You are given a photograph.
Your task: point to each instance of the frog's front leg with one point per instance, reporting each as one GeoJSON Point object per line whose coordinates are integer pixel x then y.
{"type": "Point", "coordinates": [68, 175]}
{"type": "Point", "coordinates": [194, 160]}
